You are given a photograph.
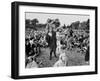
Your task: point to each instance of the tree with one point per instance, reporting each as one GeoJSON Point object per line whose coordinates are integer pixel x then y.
{"type": "Point", "coordinates": [75, 25]}
{"type": "Point", "coordinates": [88, 24]}
{"type": "Point", "coordinates": [27, 21]}
{"type": "Point", "coordinates": [34, 21]}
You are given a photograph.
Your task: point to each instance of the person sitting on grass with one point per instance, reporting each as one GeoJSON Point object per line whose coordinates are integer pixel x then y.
{"type": "Point", "coordinates": [31, 63]}
{"type": "Point", "coordinates": [63, 59]}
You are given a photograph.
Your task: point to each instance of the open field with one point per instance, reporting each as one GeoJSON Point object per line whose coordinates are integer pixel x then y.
{"type": "Point", "coordinates": [75, 58]}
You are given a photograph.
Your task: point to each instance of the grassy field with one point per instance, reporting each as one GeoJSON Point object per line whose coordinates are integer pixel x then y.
{"type": "Point", "coordinates": [75, 58]}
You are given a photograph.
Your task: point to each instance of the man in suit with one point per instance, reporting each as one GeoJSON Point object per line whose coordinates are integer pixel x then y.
{"type": "Point", "coordinates": [51, 40]}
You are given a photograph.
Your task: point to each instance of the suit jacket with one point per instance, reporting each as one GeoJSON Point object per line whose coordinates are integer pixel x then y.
{"type": "Point", "coordinates": [51, 40]}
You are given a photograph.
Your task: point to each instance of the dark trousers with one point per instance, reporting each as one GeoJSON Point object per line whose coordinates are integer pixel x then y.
{"type": "Point", "coordinates": [52, 51]}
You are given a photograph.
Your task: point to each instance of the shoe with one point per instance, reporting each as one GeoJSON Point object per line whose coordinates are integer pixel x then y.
{"type": "Point", "coordinates": [50, 58]}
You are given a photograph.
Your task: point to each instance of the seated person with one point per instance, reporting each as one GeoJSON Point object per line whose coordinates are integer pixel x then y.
{"type": "Point", "coordinates": [63, 59]}
{"type": "Point", "coordinates": [31, 63]}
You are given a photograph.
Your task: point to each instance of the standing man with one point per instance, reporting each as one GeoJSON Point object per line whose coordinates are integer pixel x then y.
{"type": "Point", "coordinates": [51, 39]}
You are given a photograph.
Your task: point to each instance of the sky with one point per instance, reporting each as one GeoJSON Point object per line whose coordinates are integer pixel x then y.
{"type": "Point", "coordinates": [66, 19]}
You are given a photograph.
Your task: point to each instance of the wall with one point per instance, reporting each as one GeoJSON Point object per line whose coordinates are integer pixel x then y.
{"type": "Point", "coordinates": [5, 41]}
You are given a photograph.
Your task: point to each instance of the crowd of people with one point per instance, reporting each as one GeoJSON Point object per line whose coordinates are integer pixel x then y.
{"type": "Point", "coordinates": [58, 41]}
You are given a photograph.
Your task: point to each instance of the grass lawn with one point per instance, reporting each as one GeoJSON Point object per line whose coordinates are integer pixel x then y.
{"type": "Point", "coordinates": [75, 58]}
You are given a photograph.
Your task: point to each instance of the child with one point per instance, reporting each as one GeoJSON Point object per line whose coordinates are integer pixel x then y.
{"type": "Point", "coordinates": [63, 59]}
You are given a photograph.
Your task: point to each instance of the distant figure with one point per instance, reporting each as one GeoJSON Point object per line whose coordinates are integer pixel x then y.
{"type": "Point", "coordinates": [87, 55]}
{"type": "Point", "coordinates": [27, 47]}
{"type": "Point", "coordinates": [70, 33]}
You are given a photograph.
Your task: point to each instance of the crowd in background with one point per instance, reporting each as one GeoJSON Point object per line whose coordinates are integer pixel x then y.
{"type": "Point", "coordinates": [66, 39]}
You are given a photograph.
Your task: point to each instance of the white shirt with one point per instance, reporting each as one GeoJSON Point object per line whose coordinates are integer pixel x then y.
{"type": "Point", "coordinates": [50, 34]}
